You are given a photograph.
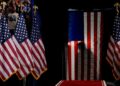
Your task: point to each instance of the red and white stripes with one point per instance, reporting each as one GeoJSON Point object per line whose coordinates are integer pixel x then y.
{"type": "Point", "coordinates": [87, 65]}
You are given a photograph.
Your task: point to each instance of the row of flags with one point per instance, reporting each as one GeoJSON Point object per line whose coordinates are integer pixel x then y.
{"type": "Point", "coordinates": [84, 49]}
{"type": "Point", "coordinates": [20, 54]}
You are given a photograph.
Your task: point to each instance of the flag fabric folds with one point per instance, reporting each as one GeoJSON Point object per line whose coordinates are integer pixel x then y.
{"type": "Point", "coordinates": [84, 47]}
{"type": "Point", "coordinates": [113, 51]}
{"type": "Point", "coordinates": [23, 46]}
{"type": "Point", "coordinates": [20, 54]}
{"type": "Point", "coordinates": [38, 49]}
{"type": "Point", "coordinates": [9, 63]}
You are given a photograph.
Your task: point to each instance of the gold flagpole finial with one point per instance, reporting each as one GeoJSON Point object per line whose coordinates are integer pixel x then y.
{"type": "Point", "coordinates": [117, 6]}
{"type": "Point", "coordinates": [35, 7]}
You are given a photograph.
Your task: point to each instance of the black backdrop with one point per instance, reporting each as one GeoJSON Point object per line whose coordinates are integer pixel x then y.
{"type": "Point", "coordinates": [54, 34]}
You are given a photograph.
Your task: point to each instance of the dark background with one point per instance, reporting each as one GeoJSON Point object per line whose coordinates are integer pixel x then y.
{"type": "Point", "coordinates": [54, 34]}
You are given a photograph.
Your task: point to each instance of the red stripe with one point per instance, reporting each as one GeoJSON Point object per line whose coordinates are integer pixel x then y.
{"type": "Point", "coordinates": [110, 57]}
{"type": "Point", "coordinates": [40, 54]}
{"type": "Point", "coordinates": [8, 52]}
{"type": "Point", "coordinates": [101, 42]}
{"type": "Point", "coordinates": [24, 50]}
{"type": "Point", "coordinates": [11, 47]}
{"type": "Point", "coordinates": [95, 45]}
{"type": "Point", "coordinates": [6, 60]}
{"type": "Point", "coordinates": [88, 44]}
{"type": "Point", "coordinates": [22, 58]}
{"type": "Point", "coordinates": [76, 59]}
{"type": "Point", "coordinates": [19, 75]}
{"type": "Point", "coordinates": [82, 60]}
{"type": "Point", "coordinates": [3, 66]}
{"type": "Point", "coordinates": [40, 57]}
{"type": "Point", "coordinates": [117, 52]}
{"type": "Point", "coordinates": [38, 69]}
{"type": "Point", "coordinates": [3, 77]}
{"type": "Point", "coordinates": [24, 72]}
{"type": "Point", "coordinates": [30, 50]}
{"type": "Point", "coordinates": [41, 45]}
{"type": "Point", "coordinates": [36, 57]}
{"type": "Point", "coordinates": [35, 74]}
{"type": "Point", "coordinates": [43, 51]}
{"type": "Point", "coordinates": [69, 60]}
{"type": "Point", "coordinates": [115, 75]}
{"type": "Point", "coordinates": [110, 50]}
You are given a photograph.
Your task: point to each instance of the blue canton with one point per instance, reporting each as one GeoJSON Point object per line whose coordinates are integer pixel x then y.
{"type": "Point", "coordinates": [1, 37]}
{"type": "Point", "coordinates": [116, 29]}
{"type": "Point", "coordinates": [5, 31]}
{"type": "Point", "coordinates": [35, 35]}
{"type": "Point", "coordinates": [21, 32]}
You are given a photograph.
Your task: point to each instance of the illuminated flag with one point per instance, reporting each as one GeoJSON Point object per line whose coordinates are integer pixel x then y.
{"type": "Point", "coordinates": [38, 49]}
{"type": "Point", "coordinates": [113, 51]}
{"type": "Point", "coordinates": [85, 45]}
{"type": "Point", "coordinates": [23, 46]}
{"type": "Point", "coordinates": [8, 55]}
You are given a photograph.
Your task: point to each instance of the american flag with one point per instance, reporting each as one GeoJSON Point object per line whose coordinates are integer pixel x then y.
{"type": "Point", "coordinates": [113, 51]}
{"type": "Point", "coordinates": [84, 46]}
{"type": "Point", "coordinates": [38, 49]}
{"type": "Point", "coordinates": [23, 46]}
{"type": "Point", "coordinates": [9, 63]}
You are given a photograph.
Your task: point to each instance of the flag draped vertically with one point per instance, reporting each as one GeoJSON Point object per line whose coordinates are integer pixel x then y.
{"type": "Point", "coordinates": [9, 63]}
{"type": "Point", "coordinates": [38, 49]}
{"type": "Point", "coordinates": [84, 59]}
{"type": "Point", "coordinates": [113, 51]}
{"type": "Point", "coordinates": [23, 46]}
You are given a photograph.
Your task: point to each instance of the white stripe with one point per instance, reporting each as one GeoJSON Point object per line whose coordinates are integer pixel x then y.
{"type": "Point", "coordinates": [9, 60]}
{"type": "Point", "coordinates": [30, 46]}
{"type": "Point", "coordinates": [11, 53]}
{"type": "Point", "coordinates": [37, 56]}
{"type": "Point", "coordinates": [41, 52]}
{"type": "Point", "coordinates": [6, 65]}
{"type": "Point", "coordinates": [115, 69]}
{"type": "Point", "coordinates": [59, 83]}
{"type": "Point", "coordinates": [72, 61]}
{"type": "Point", "coordinates": [85, 47]}
{"type": "Point", "coordinates": [3, 73]}
{"type": "Point", "coordinates": [2, 70]}
{"type": "Point", "coordinates": [40, 41]}
{"type": "Point", "coordinates": [20, 48]}
{"type": "Point", "coordinates": [111, 48]}
{"type": "Point", "coordinates": [104, 83]}
{"type": "Point", "coordinates": [38, 66]}
{"type": "Point", "coordinates": [115, 58]}
{"type": "Point", "coordinates": [12, 43]}
{"type": "Point", "coordinates": [92, 46]}
{"type": "Point", "coordinates": [21, 61]}
{"type": "Point", "coordinates": [28, 52]}
{"type": "Point", "coordinates": [109, 55]}
{"type": "Point", "coordinates": [98, 44]}
{"type": "Point", "coordinates": [21, 73]}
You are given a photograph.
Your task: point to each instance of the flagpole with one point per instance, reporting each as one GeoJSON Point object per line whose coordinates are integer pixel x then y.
{"type": "Point", "coordinates": [24, 82]}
